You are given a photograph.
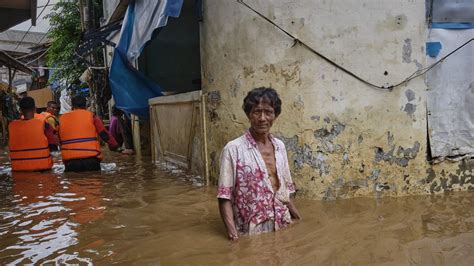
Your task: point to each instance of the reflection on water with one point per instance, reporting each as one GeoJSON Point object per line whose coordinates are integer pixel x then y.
{"type": "Point", "coordinates": [135, 213]}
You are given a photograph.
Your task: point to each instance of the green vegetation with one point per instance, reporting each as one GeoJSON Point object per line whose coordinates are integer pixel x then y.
{"type": "Point", "coordinates": [65, 36]}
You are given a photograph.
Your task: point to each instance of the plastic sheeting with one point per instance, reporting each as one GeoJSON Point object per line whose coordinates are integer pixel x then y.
{"type": "Point", "coordinates": [150, 19]}
{"type": "Point", "coordinates": [451, 95]}
{"type": "Point", "coordinates": [132, 89]}
{"type": "Point", "coordinates": [65, 101]}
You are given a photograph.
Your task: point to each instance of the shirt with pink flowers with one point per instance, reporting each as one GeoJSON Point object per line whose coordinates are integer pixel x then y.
{"type": "Point", "coordinates": [245, 182]}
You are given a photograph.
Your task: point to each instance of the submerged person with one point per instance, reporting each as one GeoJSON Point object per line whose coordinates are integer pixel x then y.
{"type": "Point", "coordinates": [51, 114]}
{"type": "Point", "coordinates": [79, 132]}
{"type": "Point", "coordinates": [31, 140]}
{"type": "Point", "coordinates": [114, 127]}
{"type": "Point", "coordinates": [255, 181]}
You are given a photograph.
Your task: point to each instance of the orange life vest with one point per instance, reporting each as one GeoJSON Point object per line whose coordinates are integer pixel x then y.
{"type": "Point", "coordinates": [78, 135]}
{"type": "Point", "coordinates": [28, 145]}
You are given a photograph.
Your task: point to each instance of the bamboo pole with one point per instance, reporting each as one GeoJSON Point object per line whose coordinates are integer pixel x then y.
{"type": "Point", "coordinates": [204, 135]}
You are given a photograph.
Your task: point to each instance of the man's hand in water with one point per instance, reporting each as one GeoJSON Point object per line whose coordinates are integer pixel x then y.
{"type": "Point", "coordinates": [295, 214]}
{"type": "Point", "coordinates": [233, 236]}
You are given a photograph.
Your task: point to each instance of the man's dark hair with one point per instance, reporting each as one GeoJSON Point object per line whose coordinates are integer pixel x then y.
{"type": "Point", "coordinates": [256, 95]}
{"type": "Point", "coordinates": [51, 103]}
{"type": "Point", "coordinates": [79, 101]}
{"type": "Point", "coordinates": [26, 103]}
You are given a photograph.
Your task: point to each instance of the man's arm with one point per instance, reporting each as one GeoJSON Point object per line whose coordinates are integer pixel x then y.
{"type": "Point", "coordinates": [295, 214]}
{"type": "Point", "coordinates": [52, 122]}
{"type": "Point", "coordinates": [104, 134]}
{"type": "Point", "coordinates": [225, 208]}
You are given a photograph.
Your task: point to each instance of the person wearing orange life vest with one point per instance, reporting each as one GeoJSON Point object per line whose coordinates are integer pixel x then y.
{"type": "Point", "coordinates": [51, 113]}
{"type": "Point", "coordinates": [30, 140]}
{"type": "Point", "coordinates": [79, 133]}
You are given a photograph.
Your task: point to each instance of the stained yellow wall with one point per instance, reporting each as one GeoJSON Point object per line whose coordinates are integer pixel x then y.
{"type": "Point", "coordinates": [344, 138]}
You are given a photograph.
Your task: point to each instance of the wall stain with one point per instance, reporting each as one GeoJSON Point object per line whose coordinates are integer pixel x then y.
{"type": "Point", "coordinates": [248, 71]}
{"type": "Point", "coordinates": [406, 54]}
{"type": "Point", "coordinates": [375, 175]}
{"type": "Point", "coordinates": [213, 102]}
{"type": "Point", "coordinates": [234, 88]}
{"type": "Point", "coordinates": [410, 95]}
{"type": "Point", "coordinates": [298, 103]}
{"type": "Point", "coordinates": [291, 74]}
{"type": "Point", "coordinates": [344, 189]}
{"type": "Point", "coordinates": [419, 66]}
{"type": "Point", "coordinates": [410, 109]}
{"type": "Point", "coordinates": [431, 175]}
{"type": "Point", "coordinates": [392, 23]}
{"type": "Point", "coordinates": [345, 159]}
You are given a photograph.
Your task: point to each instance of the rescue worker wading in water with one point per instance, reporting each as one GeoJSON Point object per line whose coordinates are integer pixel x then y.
{"type": "Point", "coordinates": [79, 132]}
{"type": "Point", "coordinates": [31, 140]}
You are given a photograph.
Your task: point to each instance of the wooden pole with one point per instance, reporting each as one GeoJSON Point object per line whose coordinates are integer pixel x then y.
{"type": "Point", "coordinates": [152, 135]}
{"type": "Point", "coordinates": [204, 136]}
{"type": "Point", "coordinates": [136, 135]}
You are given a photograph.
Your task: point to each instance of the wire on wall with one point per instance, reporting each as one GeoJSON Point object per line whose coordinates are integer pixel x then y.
{"type": "Point", "coordinates": [297, 41]}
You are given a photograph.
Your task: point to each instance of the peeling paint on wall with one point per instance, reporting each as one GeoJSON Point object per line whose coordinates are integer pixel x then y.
{"type": "Point", "coordinates": [326, 137]}
{"type": "Point", "coordinates": [402, 157]}
{"type": "Point", "coordinates": [304, 155]}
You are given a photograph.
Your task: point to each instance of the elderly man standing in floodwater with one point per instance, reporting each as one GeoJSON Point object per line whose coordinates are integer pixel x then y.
{"type": "Point", "coordinates": [255, 181]}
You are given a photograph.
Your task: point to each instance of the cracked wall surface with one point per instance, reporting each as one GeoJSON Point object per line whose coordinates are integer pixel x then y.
{"type": "Point", "coordinates": [344, 138]}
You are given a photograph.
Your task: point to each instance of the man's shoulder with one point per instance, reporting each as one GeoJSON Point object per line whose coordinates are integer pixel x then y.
{"type": "Point", "coordinates": [236, 143]}
{"type": "Point", "coordinates": [279, 142]}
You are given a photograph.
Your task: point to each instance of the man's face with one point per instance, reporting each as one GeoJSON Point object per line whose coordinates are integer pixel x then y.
{"type": "Point", "coordinates": [261, 117]}
{"type": "Point", "coordinates": [53, 109]}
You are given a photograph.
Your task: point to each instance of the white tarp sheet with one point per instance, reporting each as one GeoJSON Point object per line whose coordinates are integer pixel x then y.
{"type": "Point", "coordinates": [150, 15]}
{"type": "Point", "coordinates": [451, 95]}
{"type": "Point", "coordinates": [65, 101]}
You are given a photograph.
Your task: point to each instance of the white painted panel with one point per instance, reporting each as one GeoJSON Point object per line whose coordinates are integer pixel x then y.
{"type": "Point", "coordinates": [451, 95]}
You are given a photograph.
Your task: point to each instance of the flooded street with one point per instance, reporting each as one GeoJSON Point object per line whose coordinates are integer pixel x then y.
{"type": "Point", "coordinates": [137, 214]}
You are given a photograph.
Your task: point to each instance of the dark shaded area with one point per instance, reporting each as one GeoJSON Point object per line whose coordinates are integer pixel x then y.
{"type": "Point", "coordinates": [172, 57]}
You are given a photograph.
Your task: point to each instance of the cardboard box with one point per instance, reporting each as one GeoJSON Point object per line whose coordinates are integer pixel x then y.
{"type": "Point", "coordinates": [41, 96]}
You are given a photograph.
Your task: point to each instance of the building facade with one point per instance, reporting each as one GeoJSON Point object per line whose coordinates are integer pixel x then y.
{"type": "Point", "coordinates": [344, 137]}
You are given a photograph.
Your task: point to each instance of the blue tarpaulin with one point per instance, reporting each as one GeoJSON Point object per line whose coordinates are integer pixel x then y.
{"type": "Point", "coordinates": [132, 89]}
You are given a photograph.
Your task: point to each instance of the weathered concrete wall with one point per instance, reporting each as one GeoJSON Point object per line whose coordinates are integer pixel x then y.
{"type": "Point", "coordinates": [343, 137]}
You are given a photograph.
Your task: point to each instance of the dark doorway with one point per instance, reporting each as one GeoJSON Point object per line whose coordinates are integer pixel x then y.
{"type": "Point", "coordinates": [172, 57]}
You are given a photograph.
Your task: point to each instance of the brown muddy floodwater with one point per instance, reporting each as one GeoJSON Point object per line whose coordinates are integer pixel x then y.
{"type": "Point", "coordinates": [137, 214]}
